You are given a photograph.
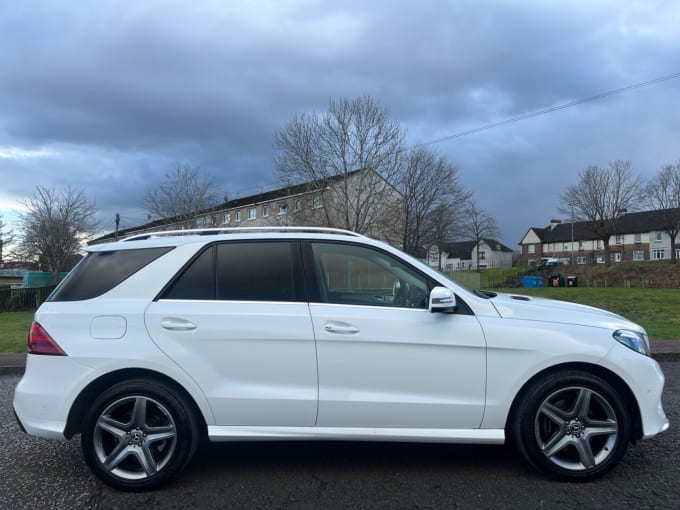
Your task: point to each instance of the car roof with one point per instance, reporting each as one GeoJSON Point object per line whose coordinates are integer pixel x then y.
{"type": "Point", "coordinates": [207, 235]}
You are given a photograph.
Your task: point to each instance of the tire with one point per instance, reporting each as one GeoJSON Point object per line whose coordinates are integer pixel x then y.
{"type": "Point", "coordinates": [138, 434]}
{"type": "Point", "coordinates": [571, 425]}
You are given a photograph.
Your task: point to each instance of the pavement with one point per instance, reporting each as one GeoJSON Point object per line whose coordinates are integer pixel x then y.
{"type": "Point", "coordinates": [662, 350]}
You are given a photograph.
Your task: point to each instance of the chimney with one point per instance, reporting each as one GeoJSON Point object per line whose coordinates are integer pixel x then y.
{"type": "Point", "coordinates": [554, 223]}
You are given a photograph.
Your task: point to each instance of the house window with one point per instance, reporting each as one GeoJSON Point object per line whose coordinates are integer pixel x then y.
{"type": "Point", "coordinates": [298, 204]}
{"type": "Point", "coordinates": [599, 259]}
{"type": "Point", "coordinates": [482, 255]}
{"type": "Point", "coordinates": [252, 213]}
{"type": "Point", "coordinates": [565, 247]}
{"type": "Point", "coordinates": [616, 257]}
{"type": "Point", "coordinates": [638, 238]}
{"type": "Point", "coordinates": [658, 237]}
{"type": "Point", "coordinates": [638, 255]}
{"type": "Point", "coordinates": [317, 201]}
{"type": "Point", "coordinates": [580, 246]}
{"type": "Point", "coordinates": [598, 244]}
{"type": "Point", "coordinates": [227, 218]}
{"type": "Point", "coordinates": [531, 248]}
{"type": "Point", "coordinates": [619, 239]}
{"type": "Point", "coordinates": [658, 254]}
{"type": "Point", "coordinates": [581, 260]}
{"type": "Point", "coordinates": [237, 216]}
{"type": "Point", "coordinates": [203, 222]}
{"type": "Point", "coordinates": [265, 211]}
{"type": "Point", "coordinates": [283, 208]}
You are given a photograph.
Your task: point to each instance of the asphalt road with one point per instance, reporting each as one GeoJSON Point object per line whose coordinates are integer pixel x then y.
{"type": "Point", "coordinates": [44, 474]}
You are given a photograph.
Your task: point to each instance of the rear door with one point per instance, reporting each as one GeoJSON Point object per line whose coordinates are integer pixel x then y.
{"type": "Point", "coordinates": [236, 319]}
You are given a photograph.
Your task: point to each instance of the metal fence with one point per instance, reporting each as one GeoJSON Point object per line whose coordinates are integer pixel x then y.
{"type": "Point", "coordinates": [469, 279]}
{"type": "Point", "coordinates": [30, 298]}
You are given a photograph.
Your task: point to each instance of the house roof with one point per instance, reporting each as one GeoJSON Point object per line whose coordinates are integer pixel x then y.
{"type": "Point", "coordinates": [267, 196]}
{"type": "Point", "coordinates": [463, 249]}
{"type": "Point", "coordinates": [630, 223]}
{"type": "Point", "coordinates": [459, 250]}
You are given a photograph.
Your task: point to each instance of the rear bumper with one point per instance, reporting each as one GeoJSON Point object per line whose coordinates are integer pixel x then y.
{"type": "Point", "coordinates": [45, 393]}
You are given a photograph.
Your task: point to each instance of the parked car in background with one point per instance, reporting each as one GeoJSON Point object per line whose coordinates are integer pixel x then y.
{"type": "Point", "coordinates": [158, 341]}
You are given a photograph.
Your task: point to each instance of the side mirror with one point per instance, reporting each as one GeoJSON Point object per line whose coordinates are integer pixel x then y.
{"type": "Point", "coordinates": [442, 300]}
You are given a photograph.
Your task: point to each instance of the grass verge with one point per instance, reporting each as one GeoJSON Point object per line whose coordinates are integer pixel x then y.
{"type": "Point", "coordinates": [14, 330]}
{"type": "Point", "coordinates": [654, 309]}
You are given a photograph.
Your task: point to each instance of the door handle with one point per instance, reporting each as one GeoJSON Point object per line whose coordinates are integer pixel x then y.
{"type": "Point", "coordinates": [175, 324]}
{"type": "Point", "coordinates": [341, 328]}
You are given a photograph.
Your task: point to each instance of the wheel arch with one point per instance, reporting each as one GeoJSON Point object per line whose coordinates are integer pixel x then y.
{"type": "Point", "coordinates": [612, 378]}
{"type": "Point", "coordinates": [77, 413]}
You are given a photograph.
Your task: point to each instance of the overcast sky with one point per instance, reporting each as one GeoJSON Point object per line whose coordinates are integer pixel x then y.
{"type": "Point", "coordinates": [108, 96]}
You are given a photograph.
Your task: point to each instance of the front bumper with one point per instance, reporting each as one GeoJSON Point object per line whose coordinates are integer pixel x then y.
{"type": "Point", "coordinates": [644, 377]}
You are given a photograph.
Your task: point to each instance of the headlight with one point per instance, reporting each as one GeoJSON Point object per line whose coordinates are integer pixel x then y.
{"type": "Point", "coordinates": [633, 340]}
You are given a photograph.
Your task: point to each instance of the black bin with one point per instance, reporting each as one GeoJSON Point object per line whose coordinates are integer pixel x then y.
{"type": "Point", "coordinates": [572, 281]}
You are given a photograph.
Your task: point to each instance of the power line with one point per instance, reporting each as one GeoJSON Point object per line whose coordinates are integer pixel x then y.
{"type": "Point", "coordinates": [551, 109]}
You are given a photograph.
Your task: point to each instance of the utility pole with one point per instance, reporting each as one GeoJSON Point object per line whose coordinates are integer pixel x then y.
{"type": "Point", "coordinates": [117, 223]}
{"type": "Point", "coordinates": [572, 233]}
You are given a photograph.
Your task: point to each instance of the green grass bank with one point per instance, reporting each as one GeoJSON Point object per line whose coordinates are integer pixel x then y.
{"type": "Point", "coordinates": [657, 310]}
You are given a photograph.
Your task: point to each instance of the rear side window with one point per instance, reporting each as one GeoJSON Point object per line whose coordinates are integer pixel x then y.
{"type": "Point", "coordinates": [197, 281]}
{"type": "Point", "coordinates": [242, 271]}
{"type": "Point", "coordinates": [101, 271]}
{"type": "Point", "coordinates": [258, 271]}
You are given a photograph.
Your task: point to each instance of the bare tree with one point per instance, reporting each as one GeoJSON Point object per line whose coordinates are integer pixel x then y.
{"type": "Point", "coordinates": [479, 226]}
{"type": "Point", "coordinates": [54, 226]}
{"type": "Point", "coordinates": [434, 199]}
{"type": "Point", "coordinates": [353, 135]}
{"type": "Point", "coordinates": [601, 196]}
{"type": "Point", "coordinates": [663, 192]}
{"type": "Point", "coordinates": [184, 192]}
{"type": "Point", "coordinates": [6, 237]}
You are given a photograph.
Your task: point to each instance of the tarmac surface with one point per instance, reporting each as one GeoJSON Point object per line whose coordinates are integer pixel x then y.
{"type": "Point", "coordinates": [662, 350]}
{"type": "Point", "coordinates": [40, 474]}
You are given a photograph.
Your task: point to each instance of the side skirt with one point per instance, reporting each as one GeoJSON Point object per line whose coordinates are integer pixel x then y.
{"type": "Point", "coordinates": [465, 436]}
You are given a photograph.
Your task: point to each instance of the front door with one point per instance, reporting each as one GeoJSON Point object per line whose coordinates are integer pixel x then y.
{"type": "Point", "coordinates": [384, 360]}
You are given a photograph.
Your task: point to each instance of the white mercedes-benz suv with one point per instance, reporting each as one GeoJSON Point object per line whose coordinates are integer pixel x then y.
{"type": "Point", "coordinates": [158, 341]}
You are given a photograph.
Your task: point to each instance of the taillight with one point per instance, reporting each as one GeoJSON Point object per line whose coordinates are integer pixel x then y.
{"type": "Point", "coordinates": [39, 342]}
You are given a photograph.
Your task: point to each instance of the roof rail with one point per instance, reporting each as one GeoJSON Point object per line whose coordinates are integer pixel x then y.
{"type": "Point", "coordinates": [240, 230]}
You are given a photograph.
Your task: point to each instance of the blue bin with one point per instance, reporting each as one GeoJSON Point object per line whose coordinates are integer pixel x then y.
{"type": "Point", "coordinates": [532, 282]}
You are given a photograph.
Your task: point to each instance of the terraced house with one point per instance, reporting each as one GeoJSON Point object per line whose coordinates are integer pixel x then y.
{"type": "Point", "coordinates": [639, 236]}
{"type": "Point", "coordinates": [361, 201]}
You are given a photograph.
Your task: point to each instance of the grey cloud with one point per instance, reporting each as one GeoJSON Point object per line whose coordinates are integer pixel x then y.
{"type": "Point", "coordinates": [120, 92]}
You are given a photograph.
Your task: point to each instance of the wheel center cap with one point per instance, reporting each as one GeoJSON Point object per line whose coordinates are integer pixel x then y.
{"type": "Point", "coordinates": [136, 437]}
{"type": "Point", "coordinates": [575, 428]}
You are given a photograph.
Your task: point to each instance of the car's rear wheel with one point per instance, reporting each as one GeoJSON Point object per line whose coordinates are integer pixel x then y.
{"type": "Point", "coordinates": [138, 434]}
{"type": "Point", "coordinates": [572, 425]}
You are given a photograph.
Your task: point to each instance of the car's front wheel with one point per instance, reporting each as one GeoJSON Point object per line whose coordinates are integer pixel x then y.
{"type": "Point", "coordinates": [138, 434]}
{"type": "Point", "coordinates": [572, 425]}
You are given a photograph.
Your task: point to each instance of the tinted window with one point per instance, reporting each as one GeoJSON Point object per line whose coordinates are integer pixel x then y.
{"type": "Point", "coordinates": [259, 271]}
{"type": "Point", "coordinates": [101, 271]}
{"type": "Point", "coordinates": [197, 281]}
{"type": "Point", "coordinates": [356, 275]}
